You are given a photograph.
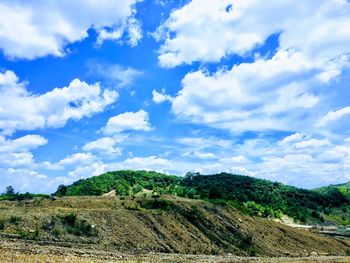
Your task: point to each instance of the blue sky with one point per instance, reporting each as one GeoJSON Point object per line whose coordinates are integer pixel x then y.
{"type": "Point", "coordinates": [239, 86]}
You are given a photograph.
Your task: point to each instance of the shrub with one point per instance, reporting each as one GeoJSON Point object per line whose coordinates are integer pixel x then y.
{"type": "Point", "coordinates": [157, 203]}
{"type": "Point", "coordinates": [2, 224]}
{"type": "Point", "coordinates": [69, 219]}
{"type": "Point", "coordinates": [77, 227]}
{"type": "Point", "coordinates": [15, 220]}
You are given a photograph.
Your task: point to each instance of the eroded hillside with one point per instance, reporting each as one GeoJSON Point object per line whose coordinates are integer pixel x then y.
{"type": "Point", "coordinates": [167, 225]}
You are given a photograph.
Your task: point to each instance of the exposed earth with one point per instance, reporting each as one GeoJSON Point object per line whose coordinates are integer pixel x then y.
{"type": "Point", "coordinates": [170, 229]}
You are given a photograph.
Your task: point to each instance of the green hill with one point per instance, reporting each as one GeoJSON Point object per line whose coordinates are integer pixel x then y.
{"type": "Point", "coordinates": [251, 195]}
{"type": "Point", "coordinates": [343, 188]}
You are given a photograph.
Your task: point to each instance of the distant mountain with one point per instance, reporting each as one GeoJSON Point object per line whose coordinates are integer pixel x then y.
{"type": "Point", "coordinates": [253, 196]}
{"type": "Point", "coordinates": [342, 188]}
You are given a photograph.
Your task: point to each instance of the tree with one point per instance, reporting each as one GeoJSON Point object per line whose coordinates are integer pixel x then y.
{"type": "Point", "coordinates": [61, 190]}
{"type": "Point", "coordinates": [136, 188]}
{"type": "Point", "coordinates": [122, 188]}
{"type": "Point", "coordinates": [10, 190]}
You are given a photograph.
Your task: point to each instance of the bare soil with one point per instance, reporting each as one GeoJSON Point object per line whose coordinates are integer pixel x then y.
{"type": "Point", "coordinates": [18, 251]}
{"type": "Point", "coordinates": [176, 230]}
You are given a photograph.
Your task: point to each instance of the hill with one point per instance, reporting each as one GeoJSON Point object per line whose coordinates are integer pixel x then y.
{"type": "Point", "coordinates": [342, 188]}
{"type": "Point", "coordinates": [250, 195]}
{"type": "Point", "coordinates": [161, 225]}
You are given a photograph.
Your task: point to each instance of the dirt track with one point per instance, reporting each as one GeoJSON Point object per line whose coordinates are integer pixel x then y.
{"type": "Point", "coordinates": [18, 251]}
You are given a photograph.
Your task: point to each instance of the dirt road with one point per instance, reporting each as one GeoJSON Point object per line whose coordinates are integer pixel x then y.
{"type": "Point", "coordinates": [20, 251]}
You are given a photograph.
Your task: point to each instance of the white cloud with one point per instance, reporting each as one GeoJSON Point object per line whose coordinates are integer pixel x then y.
{"type": "Point", "coordinates": [17, 159]}
{"type": "Point", "coordinates": [16, 153]}
{"type": "Point", "coordinates": [137, 121]}
{"type": "Point", "coordinates": [24, 143]}
{"type": "Point", "coordinates": [105, 145]}
{"type": "Point", "coordinates": [263, 95]}
{"type": "Point", "coordinates": [114, 73]}
{"type": "Point", "coordinates": [281, 90]}
{"type": "Point", "coordinates": [23, 180]}
{"type": "Point", "coordinates": [147, 163]}
{"type": "Point", "coordinates": [334, 116]}
{"type": "Point", "coordinates": [304, 26]}
{"type": "Point", "coordinates": [203, 143]}
{"type": "Point", "coordinates": [235, 159]}
{"type": "Point", "coordinates": [32, 29]}
{"type": "Point", "coordinates": [291, 138]}
{"type": "Point", "coordinates": [82, 172]}
{"type": "Point", "coordinates": [77, 158]}
{"type": "Point", "coordinates": [158, 97]}
{"type": "Point", "coordinates": [51, 109]}
{"type": "Point", "coordinates": [200, 155]}
{"type": "Point", "coordinates": [312, 143]}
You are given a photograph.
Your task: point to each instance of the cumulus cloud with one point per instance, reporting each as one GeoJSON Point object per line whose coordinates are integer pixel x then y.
{"type": "Point", "coordinates": [147, 163]}
{"type": "Point", "coordinates": [51, 109]}
{"type": "Point", "coordinates": [82, 172]}
{"type": "Point", "coordinates": [312, 143]}
{"type": "Point", "coordinates": [334, 116]}
{"type": "Point", "coordinates": [291, 138]}
{"type": "Point", "coordinates": [279, 91]}
{"type": "Point", "coordinates": [239, 26]}
{"type": "Point", "coordinates": [114, 74]}
{"type": "Point", "coordinates": [137, 121]}
{"type": "Point", "coordinates": [200, 155]}
{"type": "Point", "coordinates": [24, 143]}
{"type": "Point", "coordinates": [263, 95]}
{"type": "Point", "coordinates": [105, 145]}
{"type": "Point", "coordinates": [160, 97]}
{"type": "Point", "coordinates": [79, 158]}
{"type": "Point", "coordinates": [34, 29]}
{"type": "Point", "coordinates": [16, 153]}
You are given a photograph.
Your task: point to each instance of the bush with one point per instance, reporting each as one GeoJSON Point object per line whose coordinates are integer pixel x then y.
{"type": "Point", "coordinates": [69, 219]}
{"type": "Point", "coordinates": [2, 224]}
{"type": "Point", "coordinates": [15, 220]}
{"type": "Point", "coordinates": [77, 227]}
{"type": "Point", "coordinates": [156, 204]}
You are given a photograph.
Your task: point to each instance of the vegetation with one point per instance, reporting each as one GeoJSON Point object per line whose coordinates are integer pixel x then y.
{"type": "Point", "coordinates": [124, 183]}
{"type": "Point", "coordinates": [11, 195]}
{"type": "Point", "coordinates": [253, 196]}
{"type": "Point", "coordinates": [344, 189]}
{"type": "Point", "coordinates": [269, 198]}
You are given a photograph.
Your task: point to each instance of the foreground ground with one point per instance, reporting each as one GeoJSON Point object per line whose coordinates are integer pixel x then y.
{"type": "Point", "coordinates": [18, 251]}
{"type": "Point", "coordinates": [96, 229]}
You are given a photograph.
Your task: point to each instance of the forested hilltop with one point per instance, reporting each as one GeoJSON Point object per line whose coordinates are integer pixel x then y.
{"type": "Point", "coordinates": [343, 188]}
{"type": "Point", "coordinates": [253, 196]}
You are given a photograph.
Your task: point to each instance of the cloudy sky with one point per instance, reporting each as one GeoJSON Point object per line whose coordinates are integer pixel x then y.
{"type": "Point", "coordinates": [253, 87]}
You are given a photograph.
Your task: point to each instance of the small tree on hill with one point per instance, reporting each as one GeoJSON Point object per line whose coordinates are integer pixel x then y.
{"type": "Point", "coordinates": [61, 190]}
{"type": "Point", "coordinates": [10, 190]}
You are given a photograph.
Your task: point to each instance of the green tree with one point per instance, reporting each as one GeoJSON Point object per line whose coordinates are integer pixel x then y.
{"type": "Point", "coordinates": [123, 188]}
{"type": "Point", "coordinates": [136, 189]}
{"type": "Point", "coordinates": [10, 190]}
{"type": "Point", "coordinates": [61, 190]}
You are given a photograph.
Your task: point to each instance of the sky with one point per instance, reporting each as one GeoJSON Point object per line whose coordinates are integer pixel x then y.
{"type": "Point", "coordinates": [259, 88]}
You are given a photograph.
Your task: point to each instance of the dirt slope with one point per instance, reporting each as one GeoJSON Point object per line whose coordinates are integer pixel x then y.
{"type": "Point", "coordinates": [168, 225]}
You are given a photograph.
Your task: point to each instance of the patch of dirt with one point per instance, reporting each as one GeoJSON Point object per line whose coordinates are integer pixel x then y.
{"type": "Point", "coordinates": [109, 194]}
